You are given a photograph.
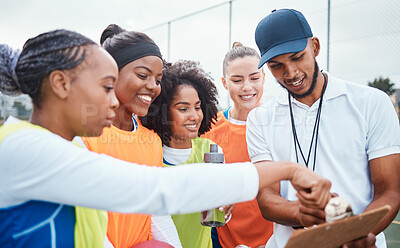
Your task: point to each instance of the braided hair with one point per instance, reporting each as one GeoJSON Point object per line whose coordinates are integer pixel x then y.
{"type": "Point", "coordinates": [55, 50]}
{"type": "Point", "coordinates": [183, 72]}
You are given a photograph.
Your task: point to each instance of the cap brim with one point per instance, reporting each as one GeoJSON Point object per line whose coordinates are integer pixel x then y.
{"type": "Point", "coordinates": [293, 46]}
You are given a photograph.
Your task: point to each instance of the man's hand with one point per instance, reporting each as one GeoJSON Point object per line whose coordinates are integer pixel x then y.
{"type": "Point", "coordinates": [313, 191]}
{"type": "Point", "coordinates": [365, 242]}
{"type": "Point", "coordinates": [310, 216]}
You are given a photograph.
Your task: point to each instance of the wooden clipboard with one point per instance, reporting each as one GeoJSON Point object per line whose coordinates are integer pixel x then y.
{"type": "Point", "coordinates": [334, 234]}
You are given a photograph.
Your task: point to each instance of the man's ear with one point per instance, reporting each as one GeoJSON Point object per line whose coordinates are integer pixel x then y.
{"type": "Point", "coordinates": [60, 83]}
{"type": "Point", "coordinates": [316, 46]}
{"type": "Point", "coordinates": [224, 83]}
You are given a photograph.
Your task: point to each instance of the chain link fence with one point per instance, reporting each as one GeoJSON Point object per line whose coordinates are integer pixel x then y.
{"type": "Point", "coordinates": [359, 44]}
{"type": "Point", "coordinates": [359, 39]}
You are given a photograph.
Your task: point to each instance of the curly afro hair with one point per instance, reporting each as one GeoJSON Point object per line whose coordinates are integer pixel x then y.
{"type": "Point", "coordinates": [183, 72]}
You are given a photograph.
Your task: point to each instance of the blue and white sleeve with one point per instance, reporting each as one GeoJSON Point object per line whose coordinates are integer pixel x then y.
{"type": "Point", "coordinates": [39, 165]}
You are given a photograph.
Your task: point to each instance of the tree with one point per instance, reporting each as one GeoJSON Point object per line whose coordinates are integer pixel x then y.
{"type": "Point", "coordinates": [383, 84]}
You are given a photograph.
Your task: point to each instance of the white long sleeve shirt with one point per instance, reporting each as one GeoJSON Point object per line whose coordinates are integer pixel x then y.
{"type": "Point", "coordinates": [40, 165]}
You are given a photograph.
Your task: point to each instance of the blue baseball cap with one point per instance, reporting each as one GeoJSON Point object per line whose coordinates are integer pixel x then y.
{"type": "Point", "coordinates": [283, 31]}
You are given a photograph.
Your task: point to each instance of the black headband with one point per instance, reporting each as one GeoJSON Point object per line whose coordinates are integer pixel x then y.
{"type": "Point", "coordinates": [134, 52]}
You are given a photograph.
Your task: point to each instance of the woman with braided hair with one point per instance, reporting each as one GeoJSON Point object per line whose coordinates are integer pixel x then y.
{"type": "Point", "coordinates": [43, 175]}
{"type": "Point", "coordinates": [54, 69]}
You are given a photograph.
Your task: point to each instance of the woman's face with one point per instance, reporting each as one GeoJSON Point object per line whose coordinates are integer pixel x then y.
{"type": "Point", "coordinates": [245, 82]}
{"type": "Point", "coordinates": [185, 115]}
{"type": "Point", "coordinates": [139, 84]}
{"type": "Point", "coordinates": [92, 97]}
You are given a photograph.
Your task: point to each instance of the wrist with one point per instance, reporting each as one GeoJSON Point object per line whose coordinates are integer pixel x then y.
{"type": "Point", "coordinates": [298, 225]}
{"type": "Point", "coordinates": [291, 168]}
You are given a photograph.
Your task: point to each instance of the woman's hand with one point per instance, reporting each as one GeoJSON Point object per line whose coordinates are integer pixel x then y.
{"type": "Point", "coordinates": [228, 210]}
{"type": "Point", "coordinates": [312, 189]}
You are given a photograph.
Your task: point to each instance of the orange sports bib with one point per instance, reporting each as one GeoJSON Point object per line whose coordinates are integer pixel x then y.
{"type": "Point", "coordinates": [247, 226]}
{"type": "Point", "coordinates": [142, 147]}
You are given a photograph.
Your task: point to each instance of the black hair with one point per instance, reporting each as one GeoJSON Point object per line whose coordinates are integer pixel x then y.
{"type": "Point", "coordinates": [183, 72]}
{"type": "Point", "coordinates": [115, 38]}
{"type": "Point", "coordinates": [55, 50]}
{"type": "Point", "coordinates": [313, 83]}
{"type": "Point", "coordinates": [238, 51]}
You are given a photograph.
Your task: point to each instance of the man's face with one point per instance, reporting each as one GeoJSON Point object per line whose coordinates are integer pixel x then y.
{"type": "Point", "coordinates": [297, 72]}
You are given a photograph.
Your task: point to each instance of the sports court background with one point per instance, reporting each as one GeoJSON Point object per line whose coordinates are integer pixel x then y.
{"type": "Point", "coordinates": [363, 36]}
{"type": "Point", "coordinates": [359, 42]}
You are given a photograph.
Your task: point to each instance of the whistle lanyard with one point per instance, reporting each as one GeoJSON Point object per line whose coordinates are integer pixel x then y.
{"type": "Point", "coordinates": [315, 131]}
{"type": "Point", "coordinates": [135, 124]}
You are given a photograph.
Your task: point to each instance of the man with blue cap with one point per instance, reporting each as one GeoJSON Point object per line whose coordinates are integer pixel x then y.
{"type": "Point", "coordinates": [346, 132]}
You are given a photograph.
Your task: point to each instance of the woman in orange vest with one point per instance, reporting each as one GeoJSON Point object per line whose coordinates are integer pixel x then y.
{"type": "Point", "coordinates": [140, 71]}
{"type": "Point", "coordinates": [245, 82]}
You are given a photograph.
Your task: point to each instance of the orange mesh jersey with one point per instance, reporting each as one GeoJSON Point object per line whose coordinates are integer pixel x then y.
{"type": "Point", "coordinates": [247, 226]}
{"type": "Point", "coordinates": [141, 147]}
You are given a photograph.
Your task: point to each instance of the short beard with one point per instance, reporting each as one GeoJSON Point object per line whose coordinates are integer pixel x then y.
{"type": "Point", "coordinates": [312, 87]}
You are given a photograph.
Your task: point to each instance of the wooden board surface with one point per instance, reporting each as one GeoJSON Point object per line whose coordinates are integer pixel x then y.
{"type": "Point", "coordinates": [334, 234]}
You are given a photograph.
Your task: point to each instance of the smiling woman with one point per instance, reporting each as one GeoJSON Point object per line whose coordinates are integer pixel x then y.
{"type": "Point", "coordinates": [186, 116]}
{"type": "Point", "coordinates": [140, 70]}
{"type": "Point", "coordinates": [185, 109]}
{"type": "Point", "coordinates": [178, 77]}
{"type": "Point", "coordinates": [244, 82]}
{"type": "Point", "coordinates": [44, 177]}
